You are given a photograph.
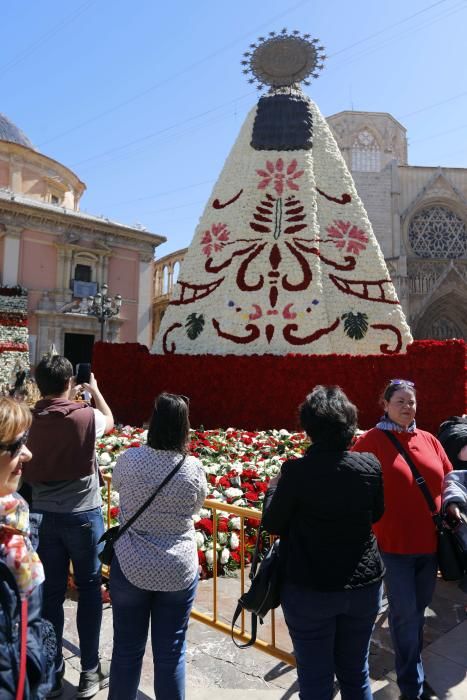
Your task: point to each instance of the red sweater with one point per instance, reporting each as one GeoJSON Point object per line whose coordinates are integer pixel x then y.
{"type": "Point", "coordinates": [406, 526]}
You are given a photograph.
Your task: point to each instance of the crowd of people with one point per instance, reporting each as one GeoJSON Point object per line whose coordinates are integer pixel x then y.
{"type": "Point", "coordinates": [351, 514]}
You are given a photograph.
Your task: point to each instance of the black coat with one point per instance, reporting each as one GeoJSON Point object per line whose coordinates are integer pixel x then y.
{"type": "Point", "coordinates": [323, 508]}
{"type": "Point", "coordinates": [40, 646]}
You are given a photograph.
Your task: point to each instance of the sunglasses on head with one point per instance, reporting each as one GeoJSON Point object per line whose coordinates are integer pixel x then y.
{"type": "Point", "coordinates": [14, 448]}
{"type": "Point", "coordinates": [401, 381]}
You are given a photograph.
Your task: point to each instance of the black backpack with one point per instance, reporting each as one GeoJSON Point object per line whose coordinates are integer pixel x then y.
{"type": "Point", "coordinates": [264, 592]}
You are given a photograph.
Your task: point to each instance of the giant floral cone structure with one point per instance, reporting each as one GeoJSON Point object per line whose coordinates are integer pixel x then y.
{"type": "Point", "coordinates": [284, 259]}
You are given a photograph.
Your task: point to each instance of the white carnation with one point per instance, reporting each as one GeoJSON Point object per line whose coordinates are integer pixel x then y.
{"type": "Point", "coordinates": [105, 459]}
{"type": "Point", "coordinates": [235, 523]}
{"type": "Point", "coordinates": [225, 556]}
{"type": "Point", "coordinates": [209, 557]}
{"type": "Point", "coordinates": [222, 537]}
{"type": "Point", "coordinates": [234, 541]}
{"type": "Point", "coordinates": [199, 539]}
{"type": "Point", "coordinates": [233, 493]}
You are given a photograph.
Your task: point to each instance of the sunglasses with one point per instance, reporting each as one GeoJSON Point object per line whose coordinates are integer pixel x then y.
{"type": "Point", "coordinates": [401, 381]}
{"type": "Point", "coordinates": [14, 448]}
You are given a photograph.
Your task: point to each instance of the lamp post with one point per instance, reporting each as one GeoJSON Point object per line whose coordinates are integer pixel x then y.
{"type": "Point", "coordinates": [103, 307]}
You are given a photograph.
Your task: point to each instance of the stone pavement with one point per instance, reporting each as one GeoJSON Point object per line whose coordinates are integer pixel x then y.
{"type": "Point", "coordinates": [216, 669]}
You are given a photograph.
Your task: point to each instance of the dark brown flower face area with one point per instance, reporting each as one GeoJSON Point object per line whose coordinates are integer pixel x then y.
{"type": "Point", "coordinates": [283, 123]}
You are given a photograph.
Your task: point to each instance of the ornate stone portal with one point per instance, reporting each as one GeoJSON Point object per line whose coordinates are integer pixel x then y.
{"type": "Point", "coordinates": [284, 258]}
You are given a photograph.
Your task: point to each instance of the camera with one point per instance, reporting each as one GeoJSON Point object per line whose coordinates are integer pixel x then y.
{"type": "Point", "coordinates": [83, 372]}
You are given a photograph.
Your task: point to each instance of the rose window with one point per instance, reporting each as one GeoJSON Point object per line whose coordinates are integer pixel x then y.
{"type": "Point", "coordinates": [436, 232]}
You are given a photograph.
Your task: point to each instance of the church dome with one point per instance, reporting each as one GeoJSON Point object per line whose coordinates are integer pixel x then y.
{"type": "Point", "coordinates": [10, 132]}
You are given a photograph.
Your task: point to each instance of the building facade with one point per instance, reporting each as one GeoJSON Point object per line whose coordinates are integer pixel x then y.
{"type": "Point", "coordinates": [62, 255]}
{"type": "Point", "coordinates": [418, 214]}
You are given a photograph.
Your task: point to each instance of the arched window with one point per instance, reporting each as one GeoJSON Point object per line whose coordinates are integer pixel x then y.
{"type": "Point", "coordinates": [175, 273]}
{"type": "Point", "coordinates": [444, 328]}
{"type": "Point", "coordinates": [165, 280]}
{"type": "Point", "coordinates": [436, 232]}
{"type": "Point", "coordinates": [366, 153]}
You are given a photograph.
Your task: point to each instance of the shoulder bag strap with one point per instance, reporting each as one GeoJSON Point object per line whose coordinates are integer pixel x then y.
{"type": "Point", "coordinates": [254, 628]}
{"type": "Point", "coordinates": [420, 481]}
{"type": "Point", "coordinates": [22, 650]}
{"type": "Point", "coordinates": [150, 499]}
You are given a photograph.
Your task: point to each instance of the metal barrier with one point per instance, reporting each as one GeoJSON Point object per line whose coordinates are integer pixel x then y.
{"type": "Point", "coordinates": [269, 647]}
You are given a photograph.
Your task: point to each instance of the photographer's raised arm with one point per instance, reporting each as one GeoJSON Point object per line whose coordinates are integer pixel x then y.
{"type": "Point", "coordinates": [100, 402]}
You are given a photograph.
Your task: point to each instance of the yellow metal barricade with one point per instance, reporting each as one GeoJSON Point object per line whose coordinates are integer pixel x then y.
{"type": "Point", "coordinates": [212, 618]}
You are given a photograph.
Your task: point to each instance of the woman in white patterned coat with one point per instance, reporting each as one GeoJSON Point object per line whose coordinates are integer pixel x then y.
{"type": "Point", "coordinates": [154, 572]}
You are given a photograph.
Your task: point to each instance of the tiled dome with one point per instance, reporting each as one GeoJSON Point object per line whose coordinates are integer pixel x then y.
{"type": "Point", "coordinates": [10, 132]}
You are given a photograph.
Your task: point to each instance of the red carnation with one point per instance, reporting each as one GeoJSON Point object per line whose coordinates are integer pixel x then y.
{"type": "Point", "coordinates": [135, 443]}
{"type": "Point", "coordinates": [201, 557]}
{"type": "Point", "coordinates": [114, 511]}
{"type": "Point", "coordinates": [223, 525]}
{"type": "Point", "coordinates": [205, 524]}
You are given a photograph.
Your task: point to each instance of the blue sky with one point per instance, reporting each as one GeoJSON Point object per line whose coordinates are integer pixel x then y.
{"type": "Point", "coordinates": [144, 100]}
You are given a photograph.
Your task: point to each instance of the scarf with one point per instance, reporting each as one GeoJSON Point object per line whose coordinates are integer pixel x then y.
{"type": "Point", "coordinates": [386, 423]}
{"type": "Point", "coordinates": [16, 549]}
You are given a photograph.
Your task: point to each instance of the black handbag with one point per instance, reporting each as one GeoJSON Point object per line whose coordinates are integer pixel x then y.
{"type": "Point", "coordinates": [264, 592]}
{"type": "Point", "coordinates": [450, 557]}
{"type": "Point", "coordinates": [113, 533]}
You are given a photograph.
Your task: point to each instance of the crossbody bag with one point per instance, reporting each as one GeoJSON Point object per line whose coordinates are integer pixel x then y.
{"type": "Point", "coordinates": [449, 555]}
{"type": "Point", "coordinates": [114, 533]}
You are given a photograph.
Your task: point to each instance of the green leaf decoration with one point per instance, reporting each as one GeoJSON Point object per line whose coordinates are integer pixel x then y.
{"type": "Point", "coordinates": [355, 325]}
{"type": "Point", "coordinates": [194, 325]}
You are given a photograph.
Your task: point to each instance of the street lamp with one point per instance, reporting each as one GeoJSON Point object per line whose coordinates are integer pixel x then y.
{"type": "Point", "coordinates": [103, 307]}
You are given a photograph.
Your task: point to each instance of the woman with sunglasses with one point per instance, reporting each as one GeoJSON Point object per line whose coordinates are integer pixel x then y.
{"type": "Point", "coordinates": [406, 533]}
{"type": "Point", "coordinates": [26, 641]}
{"type": "Point", "coordinates": [154, 572]}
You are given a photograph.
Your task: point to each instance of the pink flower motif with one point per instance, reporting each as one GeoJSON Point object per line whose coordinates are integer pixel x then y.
{"type": "Point", "coordinates": [347, 236]}
{"type": "Point", "coordinates": [214, 240]}
{"type": "Point", "coordinates": [281, 175]}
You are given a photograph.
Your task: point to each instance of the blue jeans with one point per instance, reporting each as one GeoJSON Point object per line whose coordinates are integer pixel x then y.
{"type": "Point", "coordinates": [410, 582]}
{"type": "Point", "coordinates": [331, 632]}
{"type": "Point", "coordinates": [73, 536]}
{"type": "Point", "coordinates": [169, 612]}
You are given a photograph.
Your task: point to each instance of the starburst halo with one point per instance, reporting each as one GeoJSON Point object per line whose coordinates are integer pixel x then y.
{"type": "Point", "coordinates": [283, 59]}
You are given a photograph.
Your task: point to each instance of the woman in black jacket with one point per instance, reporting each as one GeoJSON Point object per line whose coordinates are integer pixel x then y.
{"type": "Point", "coordinates": [27, 642]}
{"type": "Point", "coordinates": [323, 508]}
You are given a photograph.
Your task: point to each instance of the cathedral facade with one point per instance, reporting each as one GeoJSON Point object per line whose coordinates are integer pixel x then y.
{"type": "Point", "coordinates": [418, 214]}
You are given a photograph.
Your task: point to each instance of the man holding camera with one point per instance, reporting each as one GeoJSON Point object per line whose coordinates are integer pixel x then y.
{"type": "Point", "coordinates": [64, 480]}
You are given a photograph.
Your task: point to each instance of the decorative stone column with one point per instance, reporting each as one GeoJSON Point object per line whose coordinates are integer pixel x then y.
{"type": "Point", "coordinates": [395, 210]}
{"type": "Point", "coordinates": [144, 299]}
{"type": "Point", "coordinates": [16, 175]}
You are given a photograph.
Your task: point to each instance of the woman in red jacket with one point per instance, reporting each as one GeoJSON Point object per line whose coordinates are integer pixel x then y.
{"type": "Point", "coordinates": [406, 533]}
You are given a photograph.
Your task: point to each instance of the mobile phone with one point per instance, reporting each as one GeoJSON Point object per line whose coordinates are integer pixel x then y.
{"type": "Point", "coordinates": [83, 372]}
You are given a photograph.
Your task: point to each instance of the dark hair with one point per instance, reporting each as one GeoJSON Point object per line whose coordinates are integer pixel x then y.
{"type": "Point", "coordinates": [329, 417]}
{"type": "Point", "coordinates": [52, 375]}
{"type": "Point", "coordinates": [169, 426]}
{"type": "Point", "coordinates": [394, 386]}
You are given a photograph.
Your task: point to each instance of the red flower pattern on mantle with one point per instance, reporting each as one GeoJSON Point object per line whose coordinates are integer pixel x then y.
{"type": "Point", "coordinates": [215, 239]}
{"type": "Point", "coordinates": [346, 235]}
{"type": "Point", "coordinates": [283, 176]}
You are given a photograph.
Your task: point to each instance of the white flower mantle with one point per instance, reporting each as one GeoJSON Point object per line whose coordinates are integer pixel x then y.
{"type": "Point", "coordinates": [284, 260]}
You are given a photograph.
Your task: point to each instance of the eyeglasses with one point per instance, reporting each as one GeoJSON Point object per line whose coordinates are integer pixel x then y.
{"type": "Point", "coordinates": [14, 448]}
{"type": "Point", "coordinates": [401, 381]}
